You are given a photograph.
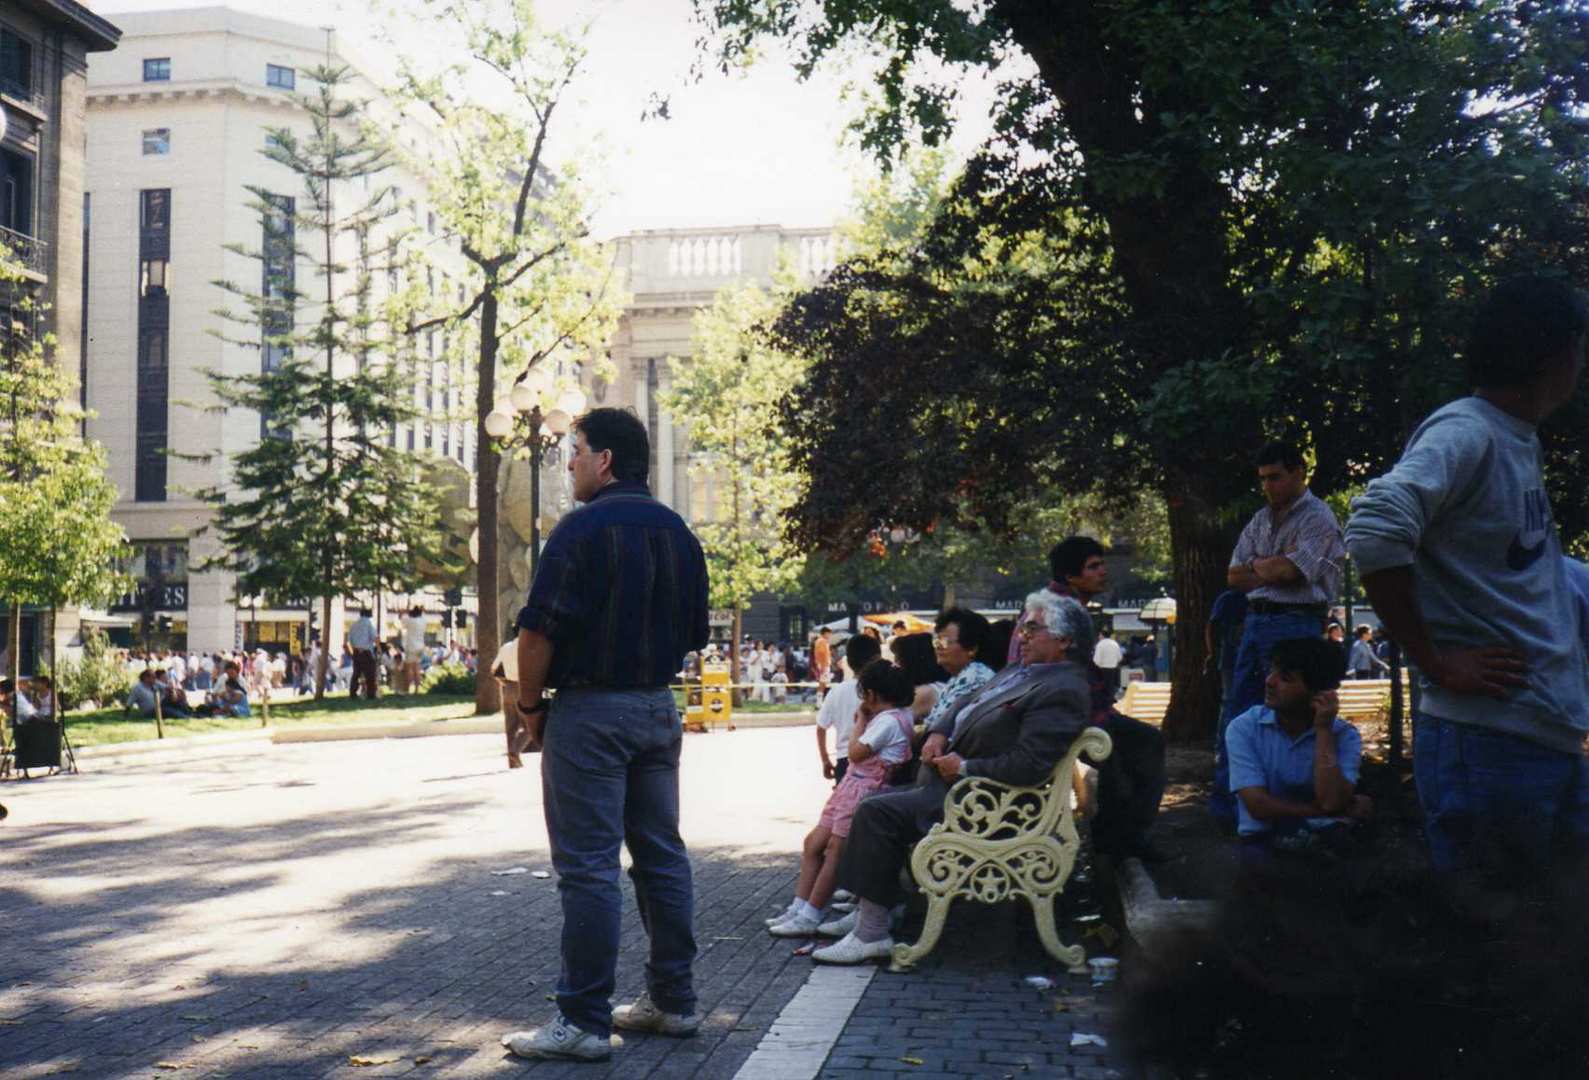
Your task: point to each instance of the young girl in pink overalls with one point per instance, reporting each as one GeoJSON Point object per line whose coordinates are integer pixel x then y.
{"type": "Point", "coordinates": [879, 741]}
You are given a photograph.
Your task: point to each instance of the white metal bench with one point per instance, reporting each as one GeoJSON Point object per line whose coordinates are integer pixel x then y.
{"type": "Point", "coordinates": [997, 842]}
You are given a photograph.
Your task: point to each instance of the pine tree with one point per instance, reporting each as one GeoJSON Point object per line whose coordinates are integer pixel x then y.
{"type": "Point", "coordinates": [322, 507]}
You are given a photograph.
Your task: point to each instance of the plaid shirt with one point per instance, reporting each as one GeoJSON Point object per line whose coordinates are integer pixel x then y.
{"type": "Point", "coordinates": [621, 592]}
{"type": "Point", "coordinates": [1305, 532]}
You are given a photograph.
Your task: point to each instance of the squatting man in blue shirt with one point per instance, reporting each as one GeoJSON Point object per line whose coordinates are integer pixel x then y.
{"type": "Point", "coordinates": [1293, 760]}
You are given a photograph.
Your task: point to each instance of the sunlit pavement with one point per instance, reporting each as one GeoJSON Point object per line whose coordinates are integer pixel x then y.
{"type": "Point", "coordinates": [282, 910]}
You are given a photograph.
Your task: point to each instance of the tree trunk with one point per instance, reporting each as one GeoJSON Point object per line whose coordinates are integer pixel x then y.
{"type": "Point", "coordinates": [14, 649]}
{"type": "Point", "coordinates": [325, 649]}
{"type": "Point", "coordinates": [1201, 545]}
{"type": "Point", "coordinates": [736, 695]}
{"type": "Point", "coordinates": [488, 625]}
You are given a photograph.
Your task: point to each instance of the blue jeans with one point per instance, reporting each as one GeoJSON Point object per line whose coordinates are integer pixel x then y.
{"type": "Point", "coordinates": [1497, 802]}
{"type": "Point", "coordinates": [610, 776]}
{"type": "Point", "coordinates": [1258, 636]}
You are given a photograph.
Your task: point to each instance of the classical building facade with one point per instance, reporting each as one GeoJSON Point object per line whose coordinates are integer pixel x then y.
{"type": "Point", "coordinates": [178, 120]}
{"type": "Point", "coordinates": [44, 51]}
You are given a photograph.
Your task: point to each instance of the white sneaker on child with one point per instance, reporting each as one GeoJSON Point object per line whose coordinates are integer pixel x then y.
{"type": "Point", "coordinates": [784, 915]}
{"type": "Point", "coordinates": [796, 926]}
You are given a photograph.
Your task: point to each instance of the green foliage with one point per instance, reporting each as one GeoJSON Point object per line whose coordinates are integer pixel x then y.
{"type": "Point", "coordinates": [58, 545]}
{"type": "Point", "coordinates": [327, 507]}
{"type": "Point", "coordinates": [448, 678]}
{"type": "Point", "coordinates": [726, 393]}
{"type": "Point", "coordinates": [541, 293]}
{"type": "Point", "coordinates": [99, 676]}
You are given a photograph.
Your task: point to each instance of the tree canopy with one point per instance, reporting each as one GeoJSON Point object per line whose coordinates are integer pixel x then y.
{"type": "Point", "coordinates": [1196, 226]}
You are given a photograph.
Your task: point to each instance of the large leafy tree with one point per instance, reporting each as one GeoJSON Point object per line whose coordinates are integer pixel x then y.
{"type": "Point", "coordinates": [1237, 220]}
{"type": "Point", "coordinates": [540, 288]}
{"type": "Point", "coordinates": [726, 393]}
{"type": "Point", "coordinates": [59, 545]}
{"type": "Point", "coordinates": [329, 506]}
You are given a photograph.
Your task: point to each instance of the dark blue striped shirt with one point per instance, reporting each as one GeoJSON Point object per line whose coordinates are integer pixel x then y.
{"type": "Point", "coordinates": [621, 592]}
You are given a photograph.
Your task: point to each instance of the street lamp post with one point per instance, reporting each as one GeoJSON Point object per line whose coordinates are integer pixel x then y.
{"type": "Point", "coordinates": [534, 416]}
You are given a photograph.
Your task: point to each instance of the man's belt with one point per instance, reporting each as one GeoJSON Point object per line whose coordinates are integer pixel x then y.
{"type": "Point", "coordinates": [1274, 607]}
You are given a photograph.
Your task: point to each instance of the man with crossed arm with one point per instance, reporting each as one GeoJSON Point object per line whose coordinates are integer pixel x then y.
{"type": "Point", "coordinates": [1288, 563]}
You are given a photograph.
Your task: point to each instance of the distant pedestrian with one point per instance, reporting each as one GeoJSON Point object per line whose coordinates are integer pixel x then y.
{"type": "Point", "coordinates": [414, 631]}
{"type": "Point", "coordinates": [361, 639]}
{"type": "Point", "coordinates": [1363, 663]}
{"type": "Point", "coordinates": [822, 661]}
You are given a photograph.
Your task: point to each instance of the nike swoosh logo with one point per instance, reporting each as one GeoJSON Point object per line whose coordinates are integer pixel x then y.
{"type": "Point", "coordinates": [1520, 558]}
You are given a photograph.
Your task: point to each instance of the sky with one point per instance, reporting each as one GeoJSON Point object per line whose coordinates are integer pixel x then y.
{"type": "Point", "coordinates": [753, 148]}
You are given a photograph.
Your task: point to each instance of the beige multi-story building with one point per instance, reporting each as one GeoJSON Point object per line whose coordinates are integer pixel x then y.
{"type": "Point", "coordinates": [178, 120]}
{"type": "Point", "coordinates": [44, 50]}
{"type": "Point", "coordinates": [673, 274]}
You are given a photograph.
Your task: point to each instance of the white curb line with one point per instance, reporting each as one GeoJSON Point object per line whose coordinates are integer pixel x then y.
{"type": "Point", "coordinates": [800, 1040]}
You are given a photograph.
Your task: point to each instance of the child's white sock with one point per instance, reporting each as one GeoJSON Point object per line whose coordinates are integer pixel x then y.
{"type": "Point", "coordinates": [805, 910]}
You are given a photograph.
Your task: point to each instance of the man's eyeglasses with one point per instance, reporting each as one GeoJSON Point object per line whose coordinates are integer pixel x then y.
{"type": "Point", "coordinates": [1031, 629]}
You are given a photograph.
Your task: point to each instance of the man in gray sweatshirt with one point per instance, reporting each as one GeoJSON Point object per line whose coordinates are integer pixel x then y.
{"type": "Point", "coordinates": [1461, 560]}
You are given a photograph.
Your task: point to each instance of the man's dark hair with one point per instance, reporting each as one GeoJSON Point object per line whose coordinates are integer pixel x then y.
{"type": "Point", "coordinates": [1279, 452]}
{"type": "Point", "coordinates": [889, 682]}
{"type": "Point", "coordinates": [149, 671]}
{"type": "Point", "coordinates": [1070, 555]}
{"type": "Point", "coordinates": [973, 628]}
{"type": "Point", "coordinates": [416, 610]}
{"type": "Point", "coordinates": [42, 682]}
{"type": "Point", "coordinates": [620, 431]}
{"type": "Point", "coordinates": [1524, 324]}
{"type": "Point", "coordinates": [365, 612]}
{"type": "Point", "coordinates": [825, 630]}
{"type": "Point", "coordinates": [6, 686]}
{"type": "Point", "coordinates": [913, 653]}
{"type": "Point", "coordinates": [861, 650]}
{"type": "Point", "coordinates": [1319, 662]}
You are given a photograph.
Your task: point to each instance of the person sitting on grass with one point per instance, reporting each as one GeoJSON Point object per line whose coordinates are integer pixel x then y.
{"type": "Point", "coordinates": [1293, 760]}
{"type": "Point", "coordinates": [879, 741]}
{"type": "Point", "coordinates": [231, 697]}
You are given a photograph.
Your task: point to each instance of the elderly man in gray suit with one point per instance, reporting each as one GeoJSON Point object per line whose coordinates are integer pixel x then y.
{"type": "Point", "coordinates": [1014, 730]}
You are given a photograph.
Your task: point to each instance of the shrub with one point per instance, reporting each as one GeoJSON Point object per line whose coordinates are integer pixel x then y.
{"type": "Point", "coordinates": [98, 676]}
{"type": "Point", "coordinates": [447, 679]}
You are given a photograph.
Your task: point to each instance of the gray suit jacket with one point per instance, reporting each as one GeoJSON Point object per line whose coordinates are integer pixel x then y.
{"type": "Point", "coordinates": [1016, 734]}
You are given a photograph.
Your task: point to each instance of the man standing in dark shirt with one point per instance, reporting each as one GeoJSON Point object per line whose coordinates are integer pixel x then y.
{"type": "Point", "coordinates": [619, 597]}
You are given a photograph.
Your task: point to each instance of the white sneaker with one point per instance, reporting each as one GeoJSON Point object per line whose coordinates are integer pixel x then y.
{"type": "Point", "coordinates": [843, 895]}
{"type": "Point", "coordinates": [840, 927]}
{"type": "Point", "coordinates": [852, 950]}
{"type": "Point", "coordinates": [796, 926]}
{"type": "Point", "coordinates": [559, 1039]}
{"type": "Point", "coordinates": [646, 1015]}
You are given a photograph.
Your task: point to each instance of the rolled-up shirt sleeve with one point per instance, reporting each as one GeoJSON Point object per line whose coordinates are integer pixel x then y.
{"type": "Point", "coordinates": [1389, 518]}
{"type": "Point", "coordinates": [555, 607]}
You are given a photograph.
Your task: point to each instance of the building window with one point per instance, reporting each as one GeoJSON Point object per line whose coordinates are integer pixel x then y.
{"type": "Point", "coordinates": [153, 359]}
{"type": "Point", "coordinates": [283, 78]}
{"type": "Point", "coordinates": [16, 65]}
{"type": "Point", "coordinates": [157, 69]}
{"type": "Point", "coordinates": [16, 192]}
{"type": "Point", "coordinates": [157, 141]}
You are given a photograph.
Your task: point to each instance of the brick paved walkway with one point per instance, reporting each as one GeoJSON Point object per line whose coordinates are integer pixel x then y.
{"type": "Point", "coordinates": [968, 1012]}
{"type": "Point", "coordinates": [279, 911]}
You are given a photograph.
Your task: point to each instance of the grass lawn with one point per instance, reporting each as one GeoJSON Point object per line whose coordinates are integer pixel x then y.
{"type": "Point", "coordinates": [102, 726]}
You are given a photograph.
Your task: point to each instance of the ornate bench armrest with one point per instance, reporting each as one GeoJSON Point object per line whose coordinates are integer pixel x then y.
{"type": "Point", "coordinates": [987, 810]}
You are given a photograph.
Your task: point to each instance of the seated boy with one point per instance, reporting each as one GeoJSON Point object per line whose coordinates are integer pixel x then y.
{"type": "Point", "coordinates": [1293, 761]}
